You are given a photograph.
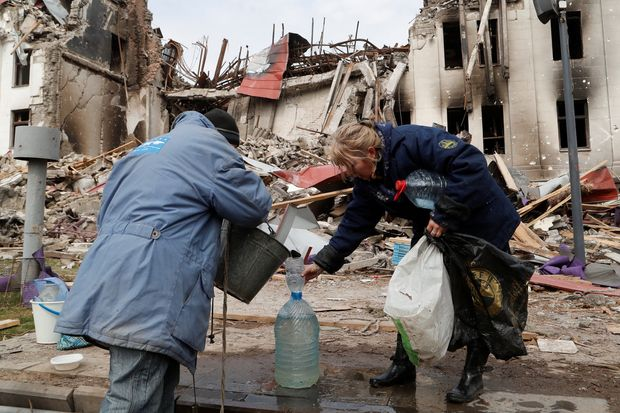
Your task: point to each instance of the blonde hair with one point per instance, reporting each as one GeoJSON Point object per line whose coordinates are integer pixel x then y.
{"type": "Point", "coordinates": [351, 142]}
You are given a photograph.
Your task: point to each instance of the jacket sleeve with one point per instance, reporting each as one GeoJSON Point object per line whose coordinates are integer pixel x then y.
{"type": "Point", "coordinates": [239, 195]}
{"type": "Point", "coordinates": [462, 164]}
{"type": "Point", "coordinates": [358, 222]}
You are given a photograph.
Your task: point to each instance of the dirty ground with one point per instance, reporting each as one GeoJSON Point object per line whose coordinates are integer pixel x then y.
{"type": "Point", "coordinates": [356, 342]}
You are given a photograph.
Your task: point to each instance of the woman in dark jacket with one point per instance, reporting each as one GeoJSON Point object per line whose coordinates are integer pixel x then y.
{"type": "Point", "coordinates": [376, 156]}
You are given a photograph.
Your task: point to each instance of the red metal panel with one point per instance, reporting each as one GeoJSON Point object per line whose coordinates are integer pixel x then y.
{"type": "Point", "coordinates": [310, 176]}
{"type": "Point", "coordinates": [565, 283]}
{"type": "Point", "coordinates": [266, 81]}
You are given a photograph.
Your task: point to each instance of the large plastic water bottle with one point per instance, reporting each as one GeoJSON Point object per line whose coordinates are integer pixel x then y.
{"type": "Point", "coordinates": [422, 187]}
{"type": "Point", "coordinates": [297, 335]}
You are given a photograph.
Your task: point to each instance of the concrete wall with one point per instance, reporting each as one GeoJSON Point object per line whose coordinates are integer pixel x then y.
{"type": "Point", "coordinates": [20, 97]}
{"type": "Point", "coordinates": [530, 94]}
{"type": "Point", "coordinates": [92, 110]}
{"type": "Point", "coordinates": [77, 81]}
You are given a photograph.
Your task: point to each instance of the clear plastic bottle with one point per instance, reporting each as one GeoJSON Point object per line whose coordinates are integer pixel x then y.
{"type": "Point", "coordinates": [297, 335]}
{"type": "Point", "coordinates": [422, 187]}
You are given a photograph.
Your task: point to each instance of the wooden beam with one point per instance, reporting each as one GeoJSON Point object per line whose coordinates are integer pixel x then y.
{"type": "Point", "coordinates": [383, 325]}
{"type": "Point", "coordinates": [220, 59]}
{"type": "Point", "coordinates": [503, 169]}
{"type": "Point", "coordinates": [549, 211]}
{"type": "Point", "coordinates": [528, 237]}
{"type": "Point", "coordinates": [479, 39]}
{"type": "Point", "coordinates": [538, 201]}
{"type": "Point", "coordinates": [311, 199]}
{"type": "Point", "coordinates": [76, 166]}
{"type": "Point", "coordinates": [8, 323]}
{"type": "Point", "coordinates": [21, 39]}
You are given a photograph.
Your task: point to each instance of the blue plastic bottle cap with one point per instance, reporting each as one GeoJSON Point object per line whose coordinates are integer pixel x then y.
{"type": "Point", "coordinates": [296, 295]}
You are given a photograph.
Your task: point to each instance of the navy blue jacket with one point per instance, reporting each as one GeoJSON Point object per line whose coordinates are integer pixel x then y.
{"type": "Point", "coordinates": [491, 216]}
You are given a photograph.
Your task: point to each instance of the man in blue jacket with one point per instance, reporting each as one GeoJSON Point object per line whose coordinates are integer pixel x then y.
{"type": "Point", "coordinates": [145, 287]}
{"type": "Point", "coordinates": [378, 155]}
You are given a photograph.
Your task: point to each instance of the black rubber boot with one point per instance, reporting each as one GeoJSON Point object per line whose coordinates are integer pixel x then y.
{"type": "Point", "coordinates": [400, 371]}
{"type": "Point", "coordinates": [470, 385]}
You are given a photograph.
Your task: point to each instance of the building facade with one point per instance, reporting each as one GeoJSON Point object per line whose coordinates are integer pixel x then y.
{"type": "Point", "coordinates": [76, 65]}
{"type": "Point", "coordinates": [515, 106]}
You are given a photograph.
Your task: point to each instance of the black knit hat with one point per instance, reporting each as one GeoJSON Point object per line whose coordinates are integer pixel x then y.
{"type": "Point", "coordinates": [225, 124]}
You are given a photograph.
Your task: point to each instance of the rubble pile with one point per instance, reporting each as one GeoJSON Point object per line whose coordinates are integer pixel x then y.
{"type": "Point", "coordinates": [267, 147]}
{"type": "Point", "coordinates": [75, 183]}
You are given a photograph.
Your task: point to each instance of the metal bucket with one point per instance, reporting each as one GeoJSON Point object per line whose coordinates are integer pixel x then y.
{"type": "Point", "coordinates": [253, 258]}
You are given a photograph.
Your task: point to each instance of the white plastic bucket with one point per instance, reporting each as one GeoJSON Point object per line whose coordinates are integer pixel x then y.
{"type": "Point", "coordinates": [45, 314]}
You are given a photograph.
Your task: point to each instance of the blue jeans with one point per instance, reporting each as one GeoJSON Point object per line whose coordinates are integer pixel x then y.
{"type": "Point", "coordinates": [140, 381]}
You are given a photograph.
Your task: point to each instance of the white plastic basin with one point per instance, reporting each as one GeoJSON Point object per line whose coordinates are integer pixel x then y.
{"type": "Point", "coordinates": [66, 361]}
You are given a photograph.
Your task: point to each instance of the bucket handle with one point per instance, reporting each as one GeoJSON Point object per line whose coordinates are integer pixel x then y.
{"type": "Point", "coordinates": [271, 231]}
{"type": "Point", "coordinates": [49, 310]}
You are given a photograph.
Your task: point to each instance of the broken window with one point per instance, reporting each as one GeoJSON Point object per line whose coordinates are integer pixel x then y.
{"type": "Point", "coordinates": [403, 118]}
{"type": "Point", "coordinates": [457, 120]}
{"type": "Point", "coordinates": [581, 123]}
{"type": "Point", "coordinates": [493, 129]}
{"type": "Point", "coordinates": [492, 26]}
{"type": "Point", "coordinates": [452, 45]}
{"type": "Point", "coordinates": [21, 71]}
{"type": "Point", "coordinates": [575, 44]}
{"type": "Point", "coordinates": [18, 118]}
{"type": "Point", "coordinates": [117, 52]}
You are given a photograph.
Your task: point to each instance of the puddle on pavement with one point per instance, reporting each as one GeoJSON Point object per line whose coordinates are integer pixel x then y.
{"type": "Point", "coordinates": [346, 389]}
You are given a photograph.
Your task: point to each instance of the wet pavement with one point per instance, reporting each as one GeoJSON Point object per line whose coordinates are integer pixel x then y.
{"type": "Point", "coordinates": [344, 388]}
{"type": "Point", "coordinates": [250, 387]}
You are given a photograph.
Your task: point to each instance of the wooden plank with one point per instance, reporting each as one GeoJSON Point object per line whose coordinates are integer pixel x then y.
{"type": "Point", "coordinates": [549, 211]}
{"type": "Point", "coordinates": [536, 251]}
{"type": "Point", "coordinates": [535, 203]}
{"type": "Point", "coordinates": [8, 323]}
{"type": "Point", "coordinates": [383, 325]}
{"type": "Point", "coordinates": [503, 169]}
{"type": "Point", "coordinates": [526, 236]}
{"type": "Point", "coordinates": [311, 199]}
{"type": "Point", "coordinates": [566, 283]}
{"type": "Point", "coordinates": [87, 162]}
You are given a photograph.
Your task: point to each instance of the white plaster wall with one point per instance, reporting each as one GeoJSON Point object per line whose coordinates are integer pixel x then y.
{"type": "Point", "coordinates": [535, 84]}
{"type": "Point", "coordinates": [610, 42]}
{"type": "Point", "coordinates": [16, 98]}
{"type": "Point", "coordinates": [305, 110]}
{"type": "Point", "coordinates": [591, 80]}
{"type": "Point", "coordinates": [425, 64]}
{"type": "Point", "coordinates": [522, 128]}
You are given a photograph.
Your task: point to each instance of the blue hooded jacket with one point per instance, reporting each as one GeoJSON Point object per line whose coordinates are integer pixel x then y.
{"type": "Point", "coordinates": [491, 216]}
{"type": "Point", "coordinates": [147, 281]}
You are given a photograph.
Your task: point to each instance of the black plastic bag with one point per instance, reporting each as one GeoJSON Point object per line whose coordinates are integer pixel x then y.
{"type": "Point", "coordinates": [489, 292]}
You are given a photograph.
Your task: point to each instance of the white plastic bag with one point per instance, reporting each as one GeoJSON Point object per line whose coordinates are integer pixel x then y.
{"type": "Point", "coordinates": [420, 303]}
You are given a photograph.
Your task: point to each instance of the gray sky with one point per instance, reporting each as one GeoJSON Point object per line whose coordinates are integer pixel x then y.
{"type": "Point", "coordinates": [250, 23]}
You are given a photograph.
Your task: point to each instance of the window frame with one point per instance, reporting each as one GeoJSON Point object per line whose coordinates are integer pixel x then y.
{"type": "Point", "coordinates": [15, 123]}
{"type": "Point", "coordinates": [18, 70]}
{"type": "Point", "coordinates": [581, 123]}
{"type": "Point", "coordinates": [575, 45]}
{"type": "Point", "coordinates": [498, 109]}
{"type": "Point", "coordinates": [454, 29]}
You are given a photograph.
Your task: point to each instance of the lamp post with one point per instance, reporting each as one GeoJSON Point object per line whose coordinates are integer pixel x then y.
{"type": "Point", "coordinates": [37, 145]}
{"type": "Point", "coordinates": [547, 9]}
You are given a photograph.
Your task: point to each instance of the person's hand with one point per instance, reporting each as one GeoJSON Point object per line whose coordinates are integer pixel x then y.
{"type": "Point", "coordinates": [434, 229]}
{"type": "Point", "coordinates": [311, 272]}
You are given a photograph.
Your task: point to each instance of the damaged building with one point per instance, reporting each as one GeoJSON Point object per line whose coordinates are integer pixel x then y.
{"type": "Point", "coordinates": [515, 105]}
{"type": "Point", "coordinates": [87, 67]}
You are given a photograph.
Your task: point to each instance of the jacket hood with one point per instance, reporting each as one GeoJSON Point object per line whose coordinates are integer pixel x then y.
{"type": "Point", "coordinates": [192, 118]}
